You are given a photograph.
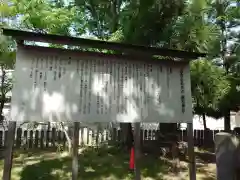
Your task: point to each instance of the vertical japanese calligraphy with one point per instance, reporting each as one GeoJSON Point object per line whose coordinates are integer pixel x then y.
{"type": "Point", "coordinates": [31, 71]}
{"type": "Point", "coordinates": [111, 81]}
{"type": "Point", "coordinates": [81, 74]}
{"type": "Point", "coordinates": [98, 81]}
{"type": "Point", "coordinates": [85, 86]}
{"type": "Point", "coordinates": [182, 91]}
{"type": "Point", "coordinates": [98, 89]}
{"type": "Point", "coordinates": [36, 74]}
{"type": "Point", "coordinates": [89, 86]}
{"type": "Point", "coordinates": [169, 71]}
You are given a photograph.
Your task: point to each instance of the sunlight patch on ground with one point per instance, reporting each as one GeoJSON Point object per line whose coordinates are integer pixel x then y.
{"type": "Point", "coordinates": [61, 174]}
{"type": "Point", "coordinates": [89, 169]}
{"type": "Point", "coordinates": [113, 177]}
{"type": "Point", "coordinates": [208, 170]}
{"type": "Point", "coordinates": [16, 170]}
{"type": "Point", "coordinates": [100, 166]}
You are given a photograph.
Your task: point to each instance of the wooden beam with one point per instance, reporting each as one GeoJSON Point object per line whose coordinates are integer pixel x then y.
{"type": "Point", "coordinates": [90, 55]}
{"type": "Point", "coordinates": [121, 47]}
{"type": "Point", "coordinates": [75, 165]}
{"type": "Point", "coordinates": [9, 151]}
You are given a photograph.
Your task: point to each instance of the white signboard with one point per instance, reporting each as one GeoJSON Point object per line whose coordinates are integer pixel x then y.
{"type": "Point", "coordinates": [67, 86]}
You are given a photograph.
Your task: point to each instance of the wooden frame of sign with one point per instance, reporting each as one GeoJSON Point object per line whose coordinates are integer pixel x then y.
{"type": "Point", "coordinates": [127, 53]}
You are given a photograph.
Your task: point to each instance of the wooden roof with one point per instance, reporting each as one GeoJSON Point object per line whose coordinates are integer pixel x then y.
{"type": "Point", "coordinates": [88, 43]}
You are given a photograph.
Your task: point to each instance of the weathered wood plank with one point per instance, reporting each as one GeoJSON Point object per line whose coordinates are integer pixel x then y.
{"type": "Point", "coordinates": [75, 164]}
{"type": "Point", "coordinates": [9, 151]}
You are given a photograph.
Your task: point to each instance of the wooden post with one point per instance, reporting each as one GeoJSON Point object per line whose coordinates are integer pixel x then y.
{"type": "Point", "coordinates": [19, 138]}
{"type": "Point", "coordinates": [25, 134]}
{"type": "Point", "coordinates": [191, 156]}
{"type": "Point", "coordinates": [1, 139]}
{"type": "Point", "coordinates": [9, 151]}
{"type": "Point", "coordinates": [137, 150]}
{"type": "Point", "coordinates": [75, 151]}
{"type": "Point", "coordinates": [31, 140]}
{"type": "Point", "coordinates": [36, 139]}
{"type": "Point", "coordinates": [54, 137]}
{"type": "Point", "coordinates": [42, 139]}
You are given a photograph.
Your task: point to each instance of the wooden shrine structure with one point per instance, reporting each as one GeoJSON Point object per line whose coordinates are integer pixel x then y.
{"type": "Point", "coordinates": [125, 69]}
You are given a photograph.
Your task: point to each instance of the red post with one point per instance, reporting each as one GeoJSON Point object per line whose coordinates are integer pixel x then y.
{"type": "Point", "coordinates": [131, 161]}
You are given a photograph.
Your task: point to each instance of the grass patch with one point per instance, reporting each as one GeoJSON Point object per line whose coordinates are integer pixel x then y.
{"type": "Point", "coordinates": [94, 164]}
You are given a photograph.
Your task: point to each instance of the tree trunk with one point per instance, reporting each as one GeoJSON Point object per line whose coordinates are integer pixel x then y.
{"type": "Point", "coordinates": [49, 126]}
{"type": "Point", "coordinates": [227, 122]}
{"type": "Point", "coordinates": [115, 11]}
{"type": "Point", "coordinates": [206, 132]}
{"type": "Point", "coordinates": [127, 135]}
{"type": "Point", "coordinates": [3, 97]}
{"type": "Point", "coordinates": [223, 26]}
{"type": "Point", "coordinates": [204, 121]}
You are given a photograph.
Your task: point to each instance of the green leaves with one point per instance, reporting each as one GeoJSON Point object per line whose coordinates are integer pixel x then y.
{"type": "Point", "coordinates": [7, 53]}
{"type": "Point", "coordinates": [40, 16]}
{"type": "Point", "coordinates": [195, 25]}
{"type": "Point", "coordinates": [146, 21]}
{"type": "Point", "coordinates": [140, 22]}
{"type": "Point", "coordinates": [192, 31]}
{"type": "Point", "coordinates": [209, 87]}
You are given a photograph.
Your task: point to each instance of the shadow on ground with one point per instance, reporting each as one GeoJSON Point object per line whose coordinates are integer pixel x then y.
{"type": "Point", "coordinates": [203, 156]}
{"type": "Point", "coordinates": [206, 157]}
{"type": "Point", "coordinates": [95, 164]}
{"type": "Point", "coordinates": [206, 164]}
{"type": "Point", "coordinates": [104, 164]}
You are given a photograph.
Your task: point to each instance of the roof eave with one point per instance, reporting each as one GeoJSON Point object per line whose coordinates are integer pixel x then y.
{"type": "Point", "coordinates": [87, 43]}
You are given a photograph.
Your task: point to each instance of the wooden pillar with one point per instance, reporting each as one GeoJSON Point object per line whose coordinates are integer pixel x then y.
{"type": "Point", "coordinates": [75, 151]}
{"type": "Point", "coordinates": [191, 155]}
{"type": "Point", "coordinates": [137, 150]}
{"type": "Point", "coordinates": [9, 151]}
